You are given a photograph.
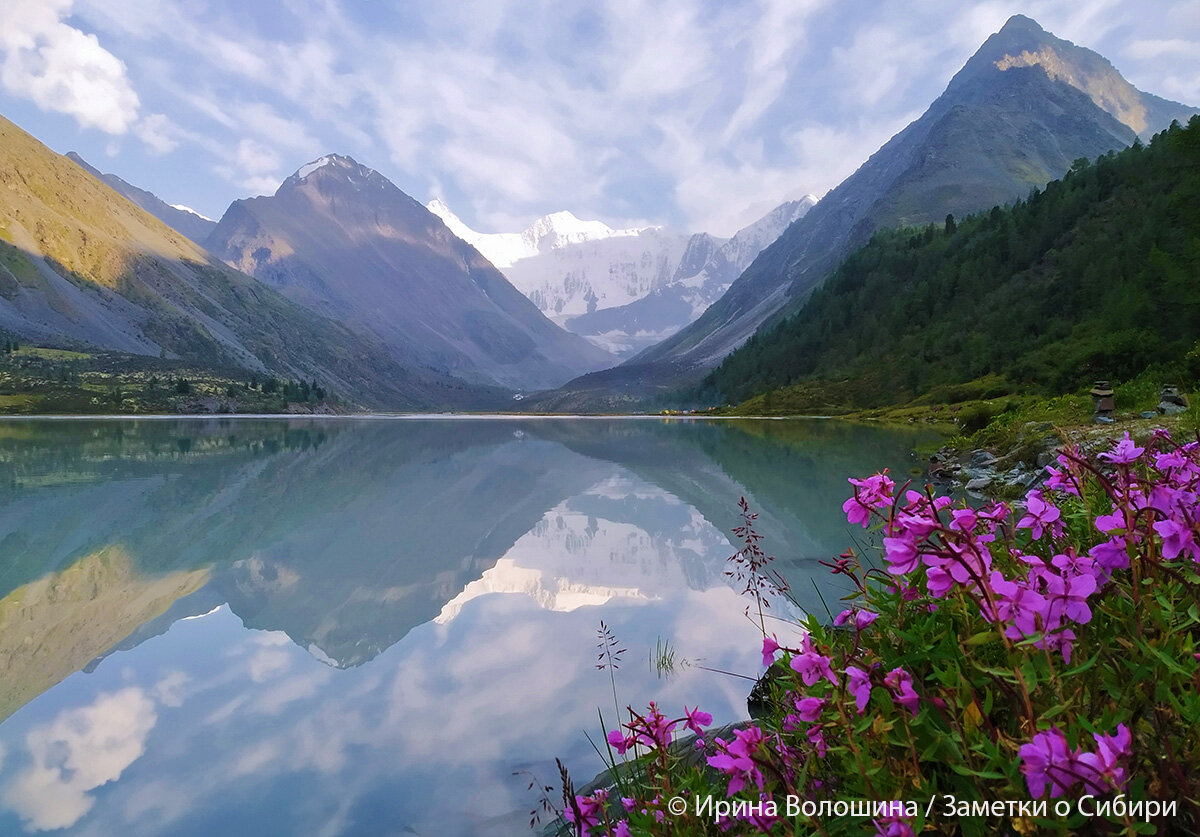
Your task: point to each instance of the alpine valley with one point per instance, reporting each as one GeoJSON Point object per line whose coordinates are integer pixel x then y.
{"type": "Point", "coordinates": [1017, 115]}
{"type": "Point", "coordinates": [355, 476]}
{"type": "Point", "coordinates": [340, 284]}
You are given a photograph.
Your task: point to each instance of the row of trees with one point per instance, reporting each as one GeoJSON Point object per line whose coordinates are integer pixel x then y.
{"type": "Point", "coordinates": [290, 391]}
{"type": "Point", "coordinates": [1091, 277]}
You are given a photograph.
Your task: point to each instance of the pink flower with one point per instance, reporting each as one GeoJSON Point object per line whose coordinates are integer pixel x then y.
{"type": "Point", "coordinates": [1018, 606]}
{"type": "Point", "coordinates": [1040, 515]}
{"type": "Point", "coordinates": [810, 708]}
{"type": "Point", "coordinates": [1062, 641]}
{"type": "Point", "coordinates": [770, 646]}
{"type": "Point", "coordinates": [900, 682]}
{"type": "Point", "coordinates": [901, 555]}
{"type": "Point", "coordinates": [619, 742]}
{"type": "Point", "coordinates": [1112, 555]}
{"type": "Point", "coordinates": [1063, 480]}
{"type": "Point", "coordinates": [622, 830]}
{"type": "Point", "coordinates": [873, 492]}
{"type": "Point", "coordinates": [895, 826]}
{"type": "Point", "coordinates": [858, 682]}
{"type": "Point", "coordinates": [817, 739]}
{"type": "Point", "coordinates": [938, 581]}
{"type": "Point", "coordinates": [590, 809]}
{"type": "Point", "coordinates": [736, 759]}
{"type": "Point", "coordinates": [812, 666]}
{"type": "Point", "coordinates": [963, 520]}
{"type": "Point", "coordinates": [1124, 453]}
{"type": "Point", "coordinates": [1178, 539]}
{"type": "Point", "coordinates": [1107, 763]}
{"type": "Point", "coordinates": [1070, 563]}
{"type": "Point", "coordinates": [696, 720]}
{"type": "Point", "coordinates": [1108, 522]}
{"type": "Point", "coordinates": [862, 618]}
{"type": "Point", "coordinates": [1048, 761]}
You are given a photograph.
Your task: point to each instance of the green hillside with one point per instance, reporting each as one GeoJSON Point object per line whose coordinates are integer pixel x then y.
{"type": "Point", "coordinates": [1096, 276]}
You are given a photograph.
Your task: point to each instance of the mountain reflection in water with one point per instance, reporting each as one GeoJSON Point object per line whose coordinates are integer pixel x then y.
{"type": "Point", "coordinates": [455, 570]}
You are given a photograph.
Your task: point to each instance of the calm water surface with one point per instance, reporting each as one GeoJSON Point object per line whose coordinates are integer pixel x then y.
{"type": "Point", "coordinates": [327, 627]}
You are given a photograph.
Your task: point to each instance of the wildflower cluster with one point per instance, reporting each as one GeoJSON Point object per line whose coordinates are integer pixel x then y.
{"type": "Point", "coordinates": [1040, 651]}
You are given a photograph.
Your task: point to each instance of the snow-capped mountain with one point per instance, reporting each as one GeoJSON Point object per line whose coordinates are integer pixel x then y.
{"type": "Point", "coordinates": [546, 233]}
{"type": "Point", "coordinates": [622, 289]}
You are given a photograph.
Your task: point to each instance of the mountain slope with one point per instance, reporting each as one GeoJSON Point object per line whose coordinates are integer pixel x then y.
{"type": "Point", "coordinates": [342, 240]}
{"type": "Point", "coordinates": [1010, 120]}
{"type": "Point", "coordinates": [81, 266]}
{"type": "Point", "coordinates": [192, 224]}
{"type": "Point", "coordinates": [1092, 278]}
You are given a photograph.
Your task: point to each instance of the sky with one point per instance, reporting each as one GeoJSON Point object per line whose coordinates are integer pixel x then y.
{"type": "Point", "coordinates": [698, 115]}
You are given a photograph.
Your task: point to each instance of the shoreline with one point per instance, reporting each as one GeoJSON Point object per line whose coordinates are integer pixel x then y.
{"type": "Point", "coordinates": [395, 416]}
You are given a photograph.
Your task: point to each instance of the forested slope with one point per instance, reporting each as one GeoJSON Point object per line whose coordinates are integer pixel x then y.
{"type": "Point", "coordinates": [1096, 276]}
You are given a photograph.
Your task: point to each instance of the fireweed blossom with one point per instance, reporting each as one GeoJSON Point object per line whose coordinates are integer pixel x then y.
{"type": "Point", "coordinates": [736, 759]}
{"type": "Point", "coordinates": [1040, 516]}
{"type": "Point", "coordinates": [812, 666]}
{"type": "Point", "coordinates": [1026, 587]}
{"type": "Point", "coordinates": [858, 682]}
{"type": "Point", "coordinates": [900, 683]}
{"type": "Point", "coordinates": [769, 647]}
{"type": "Point", "coordinates": [875, 492]}
{"type": "Point", "coordinates": [1049, 762]}
{"type": "Point", "coordinates": [862, 618]}
{"type": "Point", "coordinates": [1124, 453]}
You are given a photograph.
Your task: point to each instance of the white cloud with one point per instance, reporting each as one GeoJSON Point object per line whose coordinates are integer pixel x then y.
{"type": "Point", "coordinates": [617, 110]}
{"type": "Point", "coordinates": [171, 689]}
{"type": "Point", "coordinates": [78, 751]}
{"type": "Point", "coordinates": [1156, 48]}
{"type": "Point", "coordinates": [158, 132]}
{"type": "Point", "coordinates": [269, 125]}
{"type": "Point", "coordinates": [63, 69]}
{"type": "Point", "coordinates": [254, 167]}
{"type": "Point", "coordinates": [267, 663]}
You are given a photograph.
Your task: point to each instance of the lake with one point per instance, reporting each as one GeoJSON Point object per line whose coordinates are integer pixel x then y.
{"type": "Point", "coordinates": [378, 626]}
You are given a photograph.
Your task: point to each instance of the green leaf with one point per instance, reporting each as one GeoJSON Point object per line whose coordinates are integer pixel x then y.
{"type": "Point", "coordinates": [980, 638]}
{"type": "Point", "coordinates": [1172, 665]}
{"type": "Point", "coordinates": [1082, 667]}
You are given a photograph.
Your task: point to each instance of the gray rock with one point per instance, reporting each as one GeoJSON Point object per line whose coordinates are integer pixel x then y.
{"type": "Point", "coordinates": [1045, 458]}
{"type": "Point", "coordinates": [1149, 414]}
{"type": "Point", "coordinates": [979, 473]}
{"type": "Point", "coordinates": [1168, 408]}
{"type": "Point", "coordinates": [981, 459]}
{"type": "Point", "coordinates": [979, 483]}
{"type": "Point", "coordinates": [1102, 420]}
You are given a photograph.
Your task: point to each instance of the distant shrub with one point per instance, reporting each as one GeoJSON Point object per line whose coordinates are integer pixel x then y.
{"type": "Point", "coordinates": [974, 417]}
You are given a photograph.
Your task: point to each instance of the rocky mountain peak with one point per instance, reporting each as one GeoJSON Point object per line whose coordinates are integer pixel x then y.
{"type": "Point", "coordinates": [334, 166]}
{"type": "Point", "coordinates": [1022, 43]}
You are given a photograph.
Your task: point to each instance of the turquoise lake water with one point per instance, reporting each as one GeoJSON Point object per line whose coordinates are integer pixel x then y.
{"type": "Point", "coordinates": [378, 626]}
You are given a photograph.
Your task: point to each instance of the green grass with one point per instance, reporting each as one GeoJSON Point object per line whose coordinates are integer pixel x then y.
{"type": "Point", "coordinates": [51, 354]}
{"type": "Point", "coordinates": [43, 380]}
